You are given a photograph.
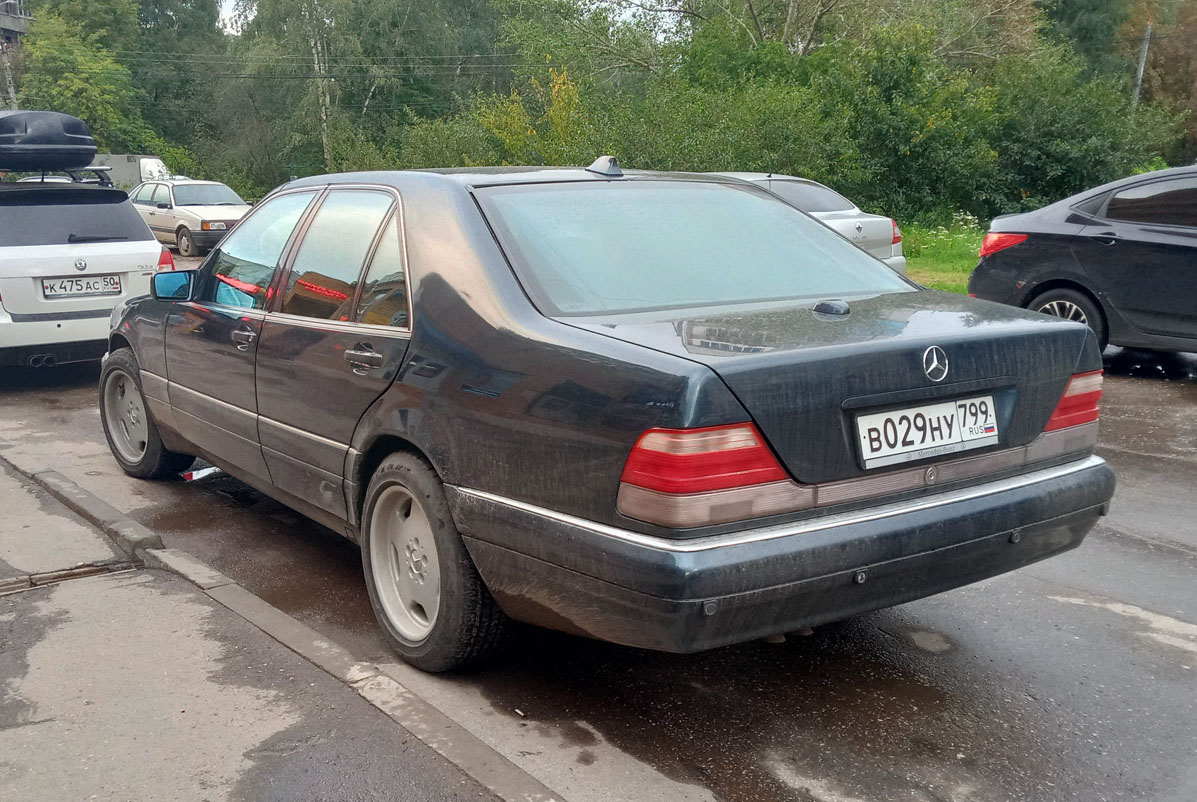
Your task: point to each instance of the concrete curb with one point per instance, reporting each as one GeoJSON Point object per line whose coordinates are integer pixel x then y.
{"type": "Point", "coordinates": [376, 685]}
{"type": "Point", "coordinates": [130, 536]}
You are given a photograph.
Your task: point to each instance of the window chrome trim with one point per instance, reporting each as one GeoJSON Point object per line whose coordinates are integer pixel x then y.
{"type": "Point", "coordinates": [801, 527]}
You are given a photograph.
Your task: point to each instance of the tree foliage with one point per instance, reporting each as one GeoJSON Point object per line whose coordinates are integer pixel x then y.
{"type": "Point", "coordinates": [918, 108]}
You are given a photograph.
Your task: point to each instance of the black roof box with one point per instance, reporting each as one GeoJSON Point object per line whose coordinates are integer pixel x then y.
{"type": "Point", "coordinates": [35, 141]}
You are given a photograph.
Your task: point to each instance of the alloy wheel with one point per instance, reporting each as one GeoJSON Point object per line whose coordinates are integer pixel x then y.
{"type": "Point", "coordinates": [125, 414]}
{"type": "Point", "coordinates": [405, 563]}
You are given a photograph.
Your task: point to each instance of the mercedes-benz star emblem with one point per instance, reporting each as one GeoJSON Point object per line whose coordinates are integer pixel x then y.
{"type": "Point", "coordinates": [80, 264]}
{"type": "Point", "coordinates": [935, 363]}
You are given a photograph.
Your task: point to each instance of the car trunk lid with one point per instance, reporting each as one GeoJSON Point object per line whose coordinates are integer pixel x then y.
{"type": "Point", "coordinates": [805, 377]}
{"type": "Point", "coordinates": [873, 233]}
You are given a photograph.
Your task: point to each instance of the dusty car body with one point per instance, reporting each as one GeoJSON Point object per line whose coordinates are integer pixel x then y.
{"type": "Point", "coordinates": [674, 475]}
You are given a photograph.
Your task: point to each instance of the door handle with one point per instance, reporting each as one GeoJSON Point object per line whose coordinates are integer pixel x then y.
{"type": "Point", "coordinates": [1107, 238]}
{"type": "Point", "coordinates": [244, 338]}
{"type": "Point", "coordinates": [363, 358]}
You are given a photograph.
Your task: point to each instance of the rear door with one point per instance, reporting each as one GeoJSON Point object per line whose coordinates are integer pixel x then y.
{"type": "Point", "coordinates": [160, 219]}
{"type": "Point", "coordinates": [1143, 255]}
{"type": "Point", "coordinates": [333, 343]}
{"type": "Point", "coordinates": [211, 342]}
{"type": "Point", "coordinates": [69, 252]}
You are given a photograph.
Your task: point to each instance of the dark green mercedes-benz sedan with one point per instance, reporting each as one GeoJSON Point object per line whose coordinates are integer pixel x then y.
{"type": "Point", "coordinates": [665, 410]}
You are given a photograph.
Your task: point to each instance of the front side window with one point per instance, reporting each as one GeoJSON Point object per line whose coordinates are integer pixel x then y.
{"type": "Point", "coordinates": [589, 248]}
{"type": "Point", "coordinates": [244, 265]}
{"type": "Point", "coordinates": [325, 272]}
{"type": "Point", "coordinates": [161, 194]}
{"type": "Point", "coordinates": [384, 293]}
{"type": "Point", "coordinates": [1172, 202]}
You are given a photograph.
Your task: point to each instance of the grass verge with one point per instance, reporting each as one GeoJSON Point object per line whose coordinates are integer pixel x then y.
{"type": "Point", "coordinates": [942, 256]}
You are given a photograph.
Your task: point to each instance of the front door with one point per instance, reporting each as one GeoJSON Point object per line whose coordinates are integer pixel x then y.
{"type": "Point", "coordinates": [211, 343]}
{"type": "Point", "coordinates": [1144, 251]}
{"type": "Point", "coordinates": [332, 344]}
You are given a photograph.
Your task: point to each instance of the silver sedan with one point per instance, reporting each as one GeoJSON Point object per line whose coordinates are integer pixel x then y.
{"type": "Point", "coordinates": [876, 234]}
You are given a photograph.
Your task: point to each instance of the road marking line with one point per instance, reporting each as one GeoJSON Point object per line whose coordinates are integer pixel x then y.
{"type": "Point", "coordinates": [1165, 629]}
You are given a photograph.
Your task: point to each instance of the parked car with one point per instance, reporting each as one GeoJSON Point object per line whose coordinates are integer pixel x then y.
{"type": "Point", "coordinates": [662, 410]}
{"type": "Point", "coordinates": [874, 233]}
{"type": "Point", "coordinates": [191, 215]}
{"type": "Point", "coordinates": [69, 252]}
{"type": "Point", "coordinates": [1121, 258]}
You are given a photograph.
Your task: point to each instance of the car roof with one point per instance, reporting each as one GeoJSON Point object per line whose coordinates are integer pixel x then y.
{"type": "Point", "coordinates": [768, 177]}
{"type": "Point", "coordinates": [468, 177]}
{"type": "Point", "coordinates": [1171, 172]}
{"type": "Point", "coordinates": [178, 182]}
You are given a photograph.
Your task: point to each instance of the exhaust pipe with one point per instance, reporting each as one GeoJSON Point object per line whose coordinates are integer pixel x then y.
{"type": "Point", "coordinates": [42, 361]}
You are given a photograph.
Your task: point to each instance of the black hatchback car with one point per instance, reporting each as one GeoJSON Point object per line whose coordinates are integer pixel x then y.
{"type": "Point", "coordinates": [1121, 257]}
{"type": "Point", "coordinates": [664, 410]}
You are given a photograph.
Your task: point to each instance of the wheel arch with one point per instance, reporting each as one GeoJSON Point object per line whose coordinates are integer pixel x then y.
{"type": "Point", "coordinates": [1066, 284]}
{"type": "Point", "coordinates": [363, 466]}
{"type": "Point", "coordinates": [117, 342]}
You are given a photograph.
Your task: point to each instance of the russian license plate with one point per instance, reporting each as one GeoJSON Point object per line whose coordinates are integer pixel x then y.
{"type": "Point", "coordinates": [81, 286]}
{"type": "Point", "coordinates": [906, 435]}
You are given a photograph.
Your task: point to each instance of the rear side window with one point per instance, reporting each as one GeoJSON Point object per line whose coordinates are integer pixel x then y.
{"type": "Point", "coordinates": [325, 272]}
{"type": "Point", "coordinates": [1172, 202]}
{"type": "Point", "coordinates": [590, 248]}
{"type": "Point", "coordinates": [67, 216]}
{"type": "Point", "coordinates": [811, 197]}
{"type": "Point", "coordinates": [244, 266]}
{"type": "Point", "coordinates": [142, 193]}
{"type": "Point", "coordinates": [384, 294]}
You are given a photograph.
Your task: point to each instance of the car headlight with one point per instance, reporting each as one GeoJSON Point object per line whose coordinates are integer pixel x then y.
{"type": "Point", "coordinates": [212, 226]}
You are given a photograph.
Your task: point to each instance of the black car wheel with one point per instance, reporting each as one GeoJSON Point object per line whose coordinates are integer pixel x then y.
{"type": "Point", "coordinates": [186, 245]}
{"type": "Point", "coordinates": [432, 605]}
{"type": "Point", "coordinates": [131, 432]}
{"type": "Point", "coordinates": [1072, 305]}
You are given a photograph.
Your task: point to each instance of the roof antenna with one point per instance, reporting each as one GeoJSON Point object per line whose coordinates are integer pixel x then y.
{"type": "Point", "coordinates": [605, 165]}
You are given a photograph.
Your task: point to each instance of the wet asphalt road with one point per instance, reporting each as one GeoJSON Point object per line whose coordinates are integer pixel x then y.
{"type": "Point", "coordinates": [1073, 679]}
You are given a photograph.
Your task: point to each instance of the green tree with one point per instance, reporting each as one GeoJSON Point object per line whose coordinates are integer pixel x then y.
{"type": "Point", "coordinates": [68, 72]}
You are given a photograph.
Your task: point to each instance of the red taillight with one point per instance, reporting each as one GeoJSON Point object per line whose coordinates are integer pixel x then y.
{"type": "Point", "coordinates": [897, 232]}
{"type": "Point", "coordinates": [698, 460]}
{"type": "Point", "coordinates": [1078, 404]}
{"type": "Point", "coordinates": [995, 242]}
{"type": "Point", "coordinates": [165, 260]}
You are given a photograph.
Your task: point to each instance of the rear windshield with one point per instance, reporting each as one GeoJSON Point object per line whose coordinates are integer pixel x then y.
{"type": "Point", "coordinates": [206, 195]}
{"type": "Point", "coordinates": [593, 248]}
{"type": "Point", "coordinates": [811, 197]}
{"type": "Point", "coordinates": [44, 215]}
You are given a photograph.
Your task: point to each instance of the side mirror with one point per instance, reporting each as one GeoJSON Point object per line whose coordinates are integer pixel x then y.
{"type": "Point", "coordinates": [173, 285]}
{"type": "Point", "coordinates": [163, 205]}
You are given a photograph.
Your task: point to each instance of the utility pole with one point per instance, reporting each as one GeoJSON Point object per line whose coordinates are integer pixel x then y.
{"type": "Point", "coordinates": [11, 88]}
{"type": "Point", "coordinates": [1142, 64]}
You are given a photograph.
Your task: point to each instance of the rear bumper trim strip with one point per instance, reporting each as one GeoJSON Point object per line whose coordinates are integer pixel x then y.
{"type": "Point", "coordinates": [702, 544]}
{"type": "Point", "coordinates": [87, 314]}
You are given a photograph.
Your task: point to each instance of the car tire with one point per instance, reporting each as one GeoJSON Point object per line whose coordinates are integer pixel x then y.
{"type": "Point", "coordinates": [1072, 305]}
{"type": "Point", "coordinates": [186, 243]}
{"type": "Point", "coordinates": [132, 435]}
{"type": "Point", "coordinates": [430, 601]}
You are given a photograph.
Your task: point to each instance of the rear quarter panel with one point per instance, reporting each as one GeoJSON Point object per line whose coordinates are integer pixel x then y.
{"type": "Point", "coordinates": [502, 399]}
